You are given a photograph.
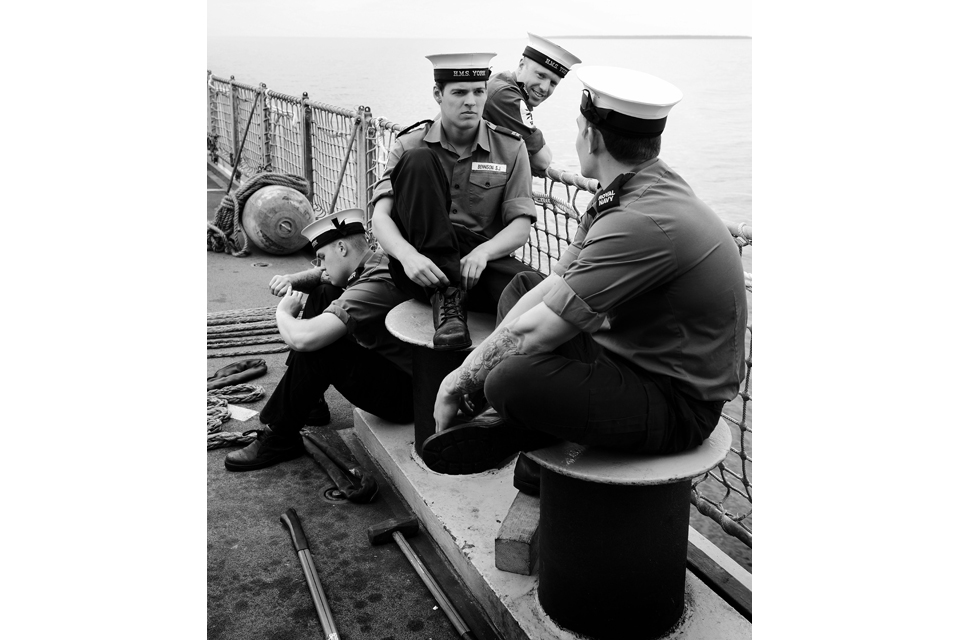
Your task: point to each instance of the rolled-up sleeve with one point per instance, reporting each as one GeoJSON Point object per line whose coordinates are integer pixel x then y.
{"type": "Point", "coordinates": [518, 192]}
{"type": "Point", "coordinates": [365, 301]}
{"type": "Point", "coordinates": [621, 256]}
{"type": "Point", "coordinates": [564, 302]}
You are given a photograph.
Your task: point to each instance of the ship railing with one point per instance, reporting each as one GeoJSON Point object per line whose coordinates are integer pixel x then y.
{"type": "Point", "coordinates": [343, 152]}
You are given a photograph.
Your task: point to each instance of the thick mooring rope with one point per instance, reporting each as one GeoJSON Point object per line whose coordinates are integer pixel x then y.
{"type": "Point", "coordinates": [218, 413]}
{"type": "Point", "coordinates": [242, 342]}
{"type": "Point", "coordinates": [226, 234]}
{"type": "Point", "coordinates": [248, 352]}
{"type": "Point", "coordinates": [243, 327]}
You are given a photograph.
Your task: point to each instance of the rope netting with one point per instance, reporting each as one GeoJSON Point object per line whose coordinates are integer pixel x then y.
{"type": "Point", "coordinates": [286, 129]}
{"type": "Point", "coordinates": [334, 137]}
{"type": "Point", "coordinates": [348, 151]}
{"type": "Point", "coordinates": [219, 132]}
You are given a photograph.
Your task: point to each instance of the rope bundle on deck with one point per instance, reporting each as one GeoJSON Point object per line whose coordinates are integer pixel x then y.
{"type": "Point", "coordinates": [218, 413]}
{"type": "Point", "coordinates": [226, 233]}
{"type": "Point", "coordinates": [243, 328]}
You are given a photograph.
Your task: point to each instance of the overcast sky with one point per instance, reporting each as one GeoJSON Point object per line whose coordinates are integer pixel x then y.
{"type": "Point", "coordinates": [486, 19]}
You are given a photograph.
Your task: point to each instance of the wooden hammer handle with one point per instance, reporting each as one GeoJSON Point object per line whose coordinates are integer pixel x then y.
{"type": "Point", "coordinates": [434, 588]}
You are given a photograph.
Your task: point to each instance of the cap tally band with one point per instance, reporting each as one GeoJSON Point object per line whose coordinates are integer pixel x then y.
{"type": "Point", "coordinates": [461, 75]}
{"type": "Point", "coordinates": [618, 123]}
{"type": "Point", "coordinates": [340, 230]}
{"type": "Point", "coordinates": [548, 62]}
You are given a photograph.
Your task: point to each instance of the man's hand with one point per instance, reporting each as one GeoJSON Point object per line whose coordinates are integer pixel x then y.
{"type": "Point", "coordinates": [448, 402]}
{"type": "Point", "coordinates": [292, 302]}
{"type": "Point", "coordinates": [279, 285]}
{"type": "Point", "coordinates": [421, 270]}
{"type": "Point", "coordinates": [471, 266]}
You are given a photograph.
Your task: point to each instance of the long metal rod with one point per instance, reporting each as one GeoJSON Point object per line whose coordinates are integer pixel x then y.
{"type": "Point", "coordinates": [343, 167]}
{"type": "Point", "coordinates": [318, 596]}
{"type": "Point", "coordinates": [236, 165]}
{"type": "Point", "coordinates": [292, 520]}
{"type": "Point", "coordinates": [434, 588]}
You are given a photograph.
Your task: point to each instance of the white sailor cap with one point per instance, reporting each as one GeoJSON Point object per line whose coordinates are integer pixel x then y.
{"type": "Point", "coordinates": [334, 226]}
{"type": "Point", "coordinates": [550, 55]}
{"type": "Point", "coordinates": [625, 101]}
{"type": "Point", "coordinates": [461, 67]}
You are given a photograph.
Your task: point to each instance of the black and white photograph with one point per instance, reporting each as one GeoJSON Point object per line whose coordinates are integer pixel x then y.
{"type": "Point", "coordinates": [479, 322]}
{"type": "Point", "coordinates": [480, 317]}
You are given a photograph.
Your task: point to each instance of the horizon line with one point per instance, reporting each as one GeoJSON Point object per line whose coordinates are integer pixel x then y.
{"type": "Point", "coordinates": [561, 37]}
{"type": "Point", "coordinates": [678, 36]}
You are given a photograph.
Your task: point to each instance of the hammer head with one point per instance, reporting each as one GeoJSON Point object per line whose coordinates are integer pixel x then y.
{"type": "Point", "coordinates": [383, 532]}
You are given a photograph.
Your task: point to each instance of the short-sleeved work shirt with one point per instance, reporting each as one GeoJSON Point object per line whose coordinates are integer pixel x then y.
{"type": "Point", "coordinates": [364, 304]}
{"type": "Point", "coordinates": [507, 106]}
{"type": "Point", "coordinates": [660, 266]}
{"type": "Point", "coordinates": [489, 187]}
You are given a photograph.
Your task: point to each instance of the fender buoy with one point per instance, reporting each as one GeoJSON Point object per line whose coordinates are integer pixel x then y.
{"type": "Point", "coordinates": [273, 218]}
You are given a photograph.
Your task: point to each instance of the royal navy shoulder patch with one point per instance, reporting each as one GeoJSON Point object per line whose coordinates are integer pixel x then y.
{"type": "Point", "coordinates": [610, 197]}
{"type": "Point", "coordinates": [415, 125]}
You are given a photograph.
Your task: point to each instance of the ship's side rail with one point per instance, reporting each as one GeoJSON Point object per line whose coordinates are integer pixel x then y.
{"type": "Point", "coordinates": [343, 152]}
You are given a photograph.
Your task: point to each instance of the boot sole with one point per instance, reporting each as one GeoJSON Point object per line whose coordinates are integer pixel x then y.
{"type": "Point", "coordinates": [452, 347]}
{"type": "Point", "coordinates": [471, 449]}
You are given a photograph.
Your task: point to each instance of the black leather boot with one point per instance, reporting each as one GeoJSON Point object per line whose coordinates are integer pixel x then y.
{"type": "Point", "coordinates": [449, 320]}
{"type": "Point", "coordinates": [267, 450]}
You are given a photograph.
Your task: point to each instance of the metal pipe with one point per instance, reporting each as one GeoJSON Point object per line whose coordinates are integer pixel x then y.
{"type": "Point", "coordinates": [343, 166]}
{"type": "Point", "coordinates": [236, 165]}
{"type": "Point", "coordinates": [302, 547]}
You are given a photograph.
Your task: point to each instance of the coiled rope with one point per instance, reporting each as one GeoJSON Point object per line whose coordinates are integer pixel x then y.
{"type": "Point", "coordinates": [218, 413]}
{"type": "Point", "coordinates": [226, 233]}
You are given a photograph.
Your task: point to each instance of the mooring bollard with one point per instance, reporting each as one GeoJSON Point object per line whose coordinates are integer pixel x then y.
{"type": "Point", "coordinates": [615, 525]}
{"type": "Point", "coordinates": [412, 322]}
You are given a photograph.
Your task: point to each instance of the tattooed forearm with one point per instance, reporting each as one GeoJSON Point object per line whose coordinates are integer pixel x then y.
{"type": "Point", "coordinates": [502, 344]}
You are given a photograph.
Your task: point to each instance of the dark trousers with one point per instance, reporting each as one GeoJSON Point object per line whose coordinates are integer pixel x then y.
{"type": "Point", "coordinates": [421, 205]}
{"type": "Point", "coordinates": [583, 393]}
{"type": "Point", "coordinates": [365, 378]}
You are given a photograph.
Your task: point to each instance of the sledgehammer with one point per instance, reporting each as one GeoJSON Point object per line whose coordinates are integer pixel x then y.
{"type": "Point", "coordinates": [395, 528]}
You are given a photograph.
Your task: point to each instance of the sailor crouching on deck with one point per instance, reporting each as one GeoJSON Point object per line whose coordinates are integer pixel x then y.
{"type": "Point", "coordinates": [637, 337]}
{"type": "Point", "coordinates": [454, 202]}
{"type": "Point", "coordinates": [512, 95]}
{"type": "Point", "coordinates": [344, 342]}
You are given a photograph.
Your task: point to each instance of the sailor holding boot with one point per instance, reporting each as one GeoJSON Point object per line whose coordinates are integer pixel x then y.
{"type": "Point", "coordinates": [455, 202]}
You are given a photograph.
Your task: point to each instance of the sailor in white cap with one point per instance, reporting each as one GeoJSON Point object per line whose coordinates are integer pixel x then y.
{"type": "Point", "coordinates": [455, 201]}
{"type": "Point", "coordinates": [636, 339]}
{"type": "Point", "coordinates": [512, 95]}
{"type": "Point", "coordinates": [341, 340]}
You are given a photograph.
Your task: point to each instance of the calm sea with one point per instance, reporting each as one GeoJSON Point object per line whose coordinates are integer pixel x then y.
{"type": "Point", "coordinates": [707, 140]}
{"type": "Point", "coordinates": [708, 137]}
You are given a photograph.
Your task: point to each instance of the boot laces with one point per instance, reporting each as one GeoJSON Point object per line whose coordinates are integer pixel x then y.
{"type": "Point", "coordinates": [450, 307]}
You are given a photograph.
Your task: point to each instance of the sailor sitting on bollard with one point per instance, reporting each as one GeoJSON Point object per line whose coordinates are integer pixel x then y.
{"type": "Point", "coordinates": [636, 339]}
{"type": "Point", "coordinates": [455, 201]}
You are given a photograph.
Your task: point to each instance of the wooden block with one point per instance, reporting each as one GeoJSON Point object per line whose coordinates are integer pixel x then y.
{"type": "Point", "coordinates": [516, 548]}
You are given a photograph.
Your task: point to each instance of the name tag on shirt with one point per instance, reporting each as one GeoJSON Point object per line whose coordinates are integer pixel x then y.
{"type": "Point", "coordinates": [489, 166]}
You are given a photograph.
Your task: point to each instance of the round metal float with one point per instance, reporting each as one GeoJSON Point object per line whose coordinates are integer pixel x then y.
{"type": "Point", "coordinates": [273, 218]}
